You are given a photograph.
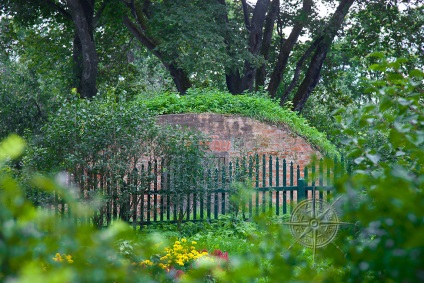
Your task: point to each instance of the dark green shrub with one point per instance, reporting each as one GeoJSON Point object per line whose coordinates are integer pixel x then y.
{"type": "Point", "coordinates": [104, 145]}
{"type": "Point", "coordinates": [388, 192]}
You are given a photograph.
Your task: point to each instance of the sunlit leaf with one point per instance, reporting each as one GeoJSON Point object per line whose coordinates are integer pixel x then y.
{"type": "Point", "coordinates": [12, 147]}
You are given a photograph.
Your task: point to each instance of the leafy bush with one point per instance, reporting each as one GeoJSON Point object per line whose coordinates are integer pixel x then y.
{"type": "Point", "coordinates": [102, 141]}
{"type": "Point", "coordinates": [253, 106]}
{"type": "Point", "coordinates": [31, 238]}
{"type": "Point", "coordinates": [26, 101]}
{"type": "Point", "coordinates": [389, 192]}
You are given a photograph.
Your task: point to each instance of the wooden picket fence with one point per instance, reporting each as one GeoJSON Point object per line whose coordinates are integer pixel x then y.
{"type": "Point", "coordinates": [162, 191]}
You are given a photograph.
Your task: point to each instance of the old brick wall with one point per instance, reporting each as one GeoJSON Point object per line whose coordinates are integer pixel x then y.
{"type": "Point", "coordinates": [233, 136]}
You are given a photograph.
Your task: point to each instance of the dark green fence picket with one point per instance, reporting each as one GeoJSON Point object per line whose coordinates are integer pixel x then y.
{"type": "Point", "coordinates": [305, 178]}
{"type": "Point", "coordinates": [270, 182]}
{"type": "Point", "coordinates": [263, 182]}
{"type": "Point", "coordinates": [223, 185]}
{"type": "Point", "coordinates": [277, 184]}
{"type": "Point", "coordinates": [163, 189]}
{"type": "Point", "coordinates": [321, 178]}
{"type": "Point", "coordinates": [216, 186]}
{"type": "Point", "coordinates": [171, 191]}
{"type": "Point", "coordinates": [155, 190]}
{"type": "Point", "coordinates": [284, 186]}
{"type": "Point", "coordinates": [202, 194]}
{"type": "Point", "coordinates": [291, 185]}
{"type": "Point", "coordinates": [257, 183]}
{"type": "Point", "coordinates": [250, 180]}
{"type": "Point", "coordinates": [208, 195]}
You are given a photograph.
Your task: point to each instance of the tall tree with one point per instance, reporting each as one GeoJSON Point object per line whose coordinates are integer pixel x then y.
{"type": "Point", "coordinates": [254, 33]}
{"type": "Point", "coordinates": [84, 16]}
{"type": "Point", "coordinates": [393, 28]}
{"type": "Point", "coordinates": [85, 54]}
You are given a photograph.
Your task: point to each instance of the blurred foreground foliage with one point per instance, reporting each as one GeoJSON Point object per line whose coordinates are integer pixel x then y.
{"type": "Point", "coordinates": [32, 242]}
{"type": "Point", "coordinates": [385, 191]}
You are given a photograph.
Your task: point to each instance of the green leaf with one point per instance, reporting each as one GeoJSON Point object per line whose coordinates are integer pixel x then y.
{"type": "Point", "coordinates": [373, 157]}
{"type": "Point", "coordinates": [380, 55]}
{"type": "Point", "coordinates": [12, 147]}
{"type": "Point", "coordinates": [378, 67]}
{"type": "Point", "coordinates": [416, 73]}
{"type": "Point", "coordinates": [394, 76]}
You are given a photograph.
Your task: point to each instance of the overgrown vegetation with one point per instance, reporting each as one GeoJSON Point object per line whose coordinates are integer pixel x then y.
{"type": "Point", "coordinates": [253, 106]}
{"type": "Point", "coordinates": [37, 247]}
{"type": "Point", "coordinates": [105, 146]}
{"type": "Point", "coordinates": [389, 192]}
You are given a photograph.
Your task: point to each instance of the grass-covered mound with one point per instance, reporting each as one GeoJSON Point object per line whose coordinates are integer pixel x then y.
{"type": "Point", "coordinates": [256, 107]}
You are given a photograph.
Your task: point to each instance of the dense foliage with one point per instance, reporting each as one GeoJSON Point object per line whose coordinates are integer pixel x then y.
{"type": "Point", "coordinates": [101, 142]}
{"type": "Point", "coordinates": [388, 191]}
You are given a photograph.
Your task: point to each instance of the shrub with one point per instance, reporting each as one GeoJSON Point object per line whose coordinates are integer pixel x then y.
{"type": "Point", "coordinates": [101, 141]}
{"type": "Point", "coordinates": [389, 192]}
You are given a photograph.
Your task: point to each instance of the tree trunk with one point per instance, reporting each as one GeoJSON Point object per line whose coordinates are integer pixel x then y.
{"type": "Point", "coordinates": [255, 41]}
{"type": "Point", "coordinates": [286, 49]}
{"type": "Point", "coordinates": [266, 43]}
{"type": "Point", "coordinates": [312, 75]}
{"type": "Point", "coordinates": [180, 78]}
{"type": "Point", "coordinates": [297, 70]}
{"type": "Point", "coordinates": [232, 76]}
{"type": "Point", "coordinates": [233, 81]}
{"type": "Point", "coordinates": [85, 54]}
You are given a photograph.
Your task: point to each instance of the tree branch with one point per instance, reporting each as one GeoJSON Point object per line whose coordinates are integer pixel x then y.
{"type": "Point", "coordinates": [149, 44]}
{"type": "Point", "coordinates": [287, 48]}
{"type": "Point", "coordinates": [180, 78]}
{"type": "Point", "coordinates": [245, 14]}
{"type": "Point", "coordinates": [99, 12]}
{"type": "Point", "coordinates": [299, 66]}
{"type": "Point", "coordinates": [255, 42]}
{"type": "Point", "coordinates": [60, 9]}
{"type": "Point", "coordinates": [313, 73]}
{"type": "Point", "coordinates": [232, 75]}
{"type": "Point", "coordinates": [266, 42]}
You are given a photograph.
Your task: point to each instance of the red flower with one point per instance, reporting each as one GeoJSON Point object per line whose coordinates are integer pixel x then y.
{"type": "Point", "coordinates": [175, 273]}
{"type": "Point", "coordinates": [220, 254]}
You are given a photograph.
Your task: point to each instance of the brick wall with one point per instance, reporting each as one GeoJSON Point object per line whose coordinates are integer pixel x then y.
{"type": "Point", "coordinates": [234, 136]}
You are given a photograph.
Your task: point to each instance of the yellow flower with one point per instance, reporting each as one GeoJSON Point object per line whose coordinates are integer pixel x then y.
{"type": "Point", "coordinates": [180, 262]}
{"type": "Point", "coordinates": [183, 240]}
{"type": "Point", "coordinates": [69, 258]}
{"type": "Point", "coordinates": [58, 257]}
{"type": "Point", "coordinates": [194, 243]}
{"type": "Point", "coordinates": [146, 262]}
{"type": "Point", "coordinates": [163, 266]}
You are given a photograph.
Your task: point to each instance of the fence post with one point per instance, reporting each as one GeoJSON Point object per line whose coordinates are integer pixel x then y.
{"type": "Point", "coordinates": [301, 192]}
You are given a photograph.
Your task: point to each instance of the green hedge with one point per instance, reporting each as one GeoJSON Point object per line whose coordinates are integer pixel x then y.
{"type": "Point", "coordinates": [256, 107]}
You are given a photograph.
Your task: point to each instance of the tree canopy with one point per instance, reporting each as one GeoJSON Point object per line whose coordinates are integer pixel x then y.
{"type": "Point", "coordinates": [288, 49]}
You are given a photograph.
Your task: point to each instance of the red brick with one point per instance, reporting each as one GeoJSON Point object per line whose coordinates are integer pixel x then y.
{"type": "Point", "coordinates": [256, 137]}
